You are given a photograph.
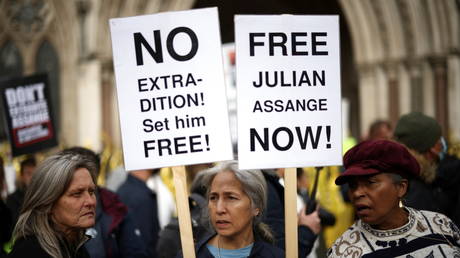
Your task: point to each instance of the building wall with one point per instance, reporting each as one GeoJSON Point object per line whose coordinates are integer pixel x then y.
{"type": "Point", "coordinates": [406, 54]}
{"type": "Point", "coordinates": [416, 43]}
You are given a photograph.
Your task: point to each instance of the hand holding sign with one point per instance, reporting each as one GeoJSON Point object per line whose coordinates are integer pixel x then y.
{"type": "Point", "coordinates": [171, 95]}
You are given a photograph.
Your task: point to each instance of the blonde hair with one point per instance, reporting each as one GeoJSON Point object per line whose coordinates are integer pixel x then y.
{"type": "Point", "coordinates": [48, 184]}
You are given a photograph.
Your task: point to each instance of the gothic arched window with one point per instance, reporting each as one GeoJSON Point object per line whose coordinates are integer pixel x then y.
{"type": "Point", "coordinates": [10, 66]}
{"type": "Point", "coordinates": [48, 62]}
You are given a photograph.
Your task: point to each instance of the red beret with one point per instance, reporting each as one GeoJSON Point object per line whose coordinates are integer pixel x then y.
{"type": "Point", "coordinates": [372, 157]}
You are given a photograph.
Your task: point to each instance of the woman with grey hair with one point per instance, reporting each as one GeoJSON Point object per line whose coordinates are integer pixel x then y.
{"type": "Point", "coordinates": [236, 203]}
{"type": "Point", "coordinates": [59, 205]}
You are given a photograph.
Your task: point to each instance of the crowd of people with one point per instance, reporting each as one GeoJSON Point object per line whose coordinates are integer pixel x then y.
{"type": "Point", "coordinates": [401, 182]}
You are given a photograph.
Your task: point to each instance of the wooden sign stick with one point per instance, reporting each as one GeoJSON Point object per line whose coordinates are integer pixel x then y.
{"type": "Point", "coordinates": [183, 211]}
{"type": "Point", "coordinates": [290, 212]}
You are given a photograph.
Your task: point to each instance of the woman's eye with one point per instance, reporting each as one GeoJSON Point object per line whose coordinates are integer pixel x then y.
{"type": "Point", "coordinates": [352, 185]}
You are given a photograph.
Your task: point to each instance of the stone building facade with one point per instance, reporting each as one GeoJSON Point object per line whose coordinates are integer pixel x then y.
{"type": "Point", "coordinates": [404, 54]}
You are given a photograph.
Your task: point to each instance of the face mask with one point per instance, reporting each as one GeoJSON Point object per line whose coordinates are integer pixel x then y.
{"type": "Point", "coordinates": [443, 152]}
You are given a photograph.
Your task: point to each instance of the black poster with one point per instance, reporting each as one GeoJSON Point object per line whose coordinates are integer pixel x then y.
{"type": "Point", "coordinates": [28, 113]}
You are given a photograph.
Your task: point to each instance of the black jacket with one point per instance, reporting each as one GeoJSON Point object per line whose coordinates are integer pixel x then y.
{"type": "Point", "coordinates": [30, 247]}
{"type": "Point", "coordinates": [114, 231]}
{"type": "Point", "coordinates": [448, 179]}
{"type": "Point", "coordinates": [142, 204]}
{"type": "Point", "coordinates": [14, 203]}
{"type": "Point", "coordinates": [6, 226]}
{"type": "Point", "coordinates": [260, 249]}
{"type": "Point", "coordinates": [274, 217]}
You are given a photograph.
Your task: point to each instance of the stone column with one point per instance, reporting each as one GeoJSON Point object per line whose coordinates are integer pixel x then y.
{"type": "Point", "coordinates": [391, 70]}
{"type": "Point", "coordinates": [416, 85]}
{"type": "Point", "coordinates": [439, 67]}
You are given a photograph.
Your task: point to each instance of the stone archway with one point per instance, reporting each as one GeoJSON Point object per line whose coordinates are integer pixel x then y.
{"type": "Point", "coordinates": [408, 51]}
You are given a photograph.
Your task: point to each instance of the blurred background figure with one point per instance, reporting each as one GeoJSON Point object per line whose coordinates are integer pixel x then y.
{"type": "Point", "coordinates": [448, 178]}
{"type": "Point", "coordinates": [422, 135]}
{"type": "Point", "coordinates": [169, 243]}
{"type": "Point", "coordinates": [59, 205]}
{"type": "Point", "coordinates": [143, 203]}
{"type": "Point", "coordinates": [165, 201]}
{"type": "Point", "coordinates": [5, 216]}
{"type": "Point", "coordinates": [236, 205]}
{"type": "Point", "coordinates": [309, 226]}
{"type": "Point", "coordinates": [14, 201]}
{"type": "Point", "coordinates": [380, 129]}
{"type": "Point", "coordinates": [114, 233]}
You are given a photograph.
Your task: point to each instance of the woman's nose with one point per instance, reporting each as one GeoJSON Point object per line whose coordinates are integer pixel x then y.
{"type": "Point", "coordinates": [220, 207]}
{"type": "Point", "coordinates": [357, 192]}
{"type": "Point", "coordinates": [90, 199]}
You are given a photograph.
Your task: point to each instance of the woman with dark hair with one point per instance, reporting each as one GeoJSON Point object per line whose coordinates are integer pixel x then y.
{"type": "Point", "coordinates": [59, 205]}
{"type": "Point", "coordinates": [377, 174]}
{"type": "Point", "coordinates": [236, 203]}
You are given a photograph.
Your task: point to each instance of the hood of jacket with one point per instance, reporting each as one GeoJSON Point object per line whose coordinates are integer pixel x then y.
{"type": "Point", "coordinates": [427, 167]}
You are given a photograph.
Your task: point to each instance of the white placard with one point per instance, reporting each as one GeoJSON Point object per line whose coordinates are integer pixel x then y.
{"type": "Point", "coordinates": [288, 88]}
{"type": "Point", "coordinates": [171, 89]}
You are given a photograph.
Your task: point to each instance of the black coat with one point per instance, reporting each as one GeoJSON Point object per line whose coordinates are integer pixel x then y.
{"type": "Point", "coordinates": [274, 217]}
{"type": "Point", "coordinates": [30, 247]}
{"type": "Point", "coordinates": [448, 179]}
{"type": "Point", "coordinates": [6, 226]}
{"type": "Point", "coordinates": [260, 249]}
{"type": "Point", "coordinates": [142, 204]}
{"type": "Point", "coordinates": [14, 203]}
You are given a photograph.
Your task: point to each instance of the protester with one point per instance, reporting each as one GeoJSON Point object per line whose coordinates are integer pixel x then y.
{"type": "Point", "coordinates": [380, 129]}
{"type": "Point", "coordinates": [142, 203]}
{"type": "Point", "coordinates": [448, 178]}
{"type": "Point", "coordinates": [422, 135]}
{"type": "Point", "coordinates": [169, 242]}
{"type": "Point", "coordinates": [236, 204]}
{"type": "Point", "coordinates": [59, 205]}
{"type": "Point", "coordinates": [113, 234]}
{"type": "Point", "coordinates": [166, 205]}
{"type": "Point", "coordinates": [309, 225]}
{"type": "Point", "coordinates": [378, 174]}
{"type": "Point", "coordinates": [15, 200]}
{"type": "Point", "coordinates": [5, 216]}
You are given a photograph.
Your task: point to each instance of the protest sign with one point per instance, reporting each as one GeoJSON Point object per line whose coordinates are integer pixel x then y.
{"type": "Point", "coordinates": [28, 114]}
{"type": "Point", "coordinates": [171, 89]}
{"type": "Point", "coordinates": [288, 88]}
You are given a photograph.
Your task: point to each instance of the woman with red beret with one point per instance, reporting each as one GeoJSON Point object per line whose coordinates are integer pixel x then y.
{"type": "Point", "coordinates": [378, 173]}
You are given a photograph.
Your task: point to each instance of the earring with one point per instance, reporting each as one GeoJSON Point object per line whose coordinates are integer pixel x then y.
{"type": "Point", "coordinates": [401, 205]}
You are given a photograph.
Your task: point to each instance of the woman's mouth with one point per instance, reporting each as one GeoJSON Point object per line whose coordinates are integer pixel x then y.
{"type": "Point", "coordinates": [90, 213]}
{"type": "Point", "coordinates": [362, 209]}
{"type": "Point", "coordinates": [222, 223]}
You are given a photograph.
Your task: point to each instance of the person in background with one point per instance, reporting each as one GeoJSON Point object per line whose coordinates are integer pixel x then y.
{"type": "Point", "coordinates": [59, 205]}
{"type": "Point", "coordinates": [14, 201]}
{"type": "Point", "coordinates": [378, 174]}
{"type": "Point", "coordinates": [166, 204]}
{"type": "Point", "coordinates": [380, 129]}
{"type": "Point", "coordinates": [114, 233]}
{"type": "Point", "coordinates": [5, 216]}
{"type": "Point", "coordinates": [422, 135]}
{"type": "Point", "coordinates": [236, 205]}
{"type": "Point", "coordinates": [142, 202]}
{"type": "Point", "coordinates": [309, 225]}
{"type": "Point", "coordinates": [169, 242]}
{"type": "Point", "coordinates": [448, 178]}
